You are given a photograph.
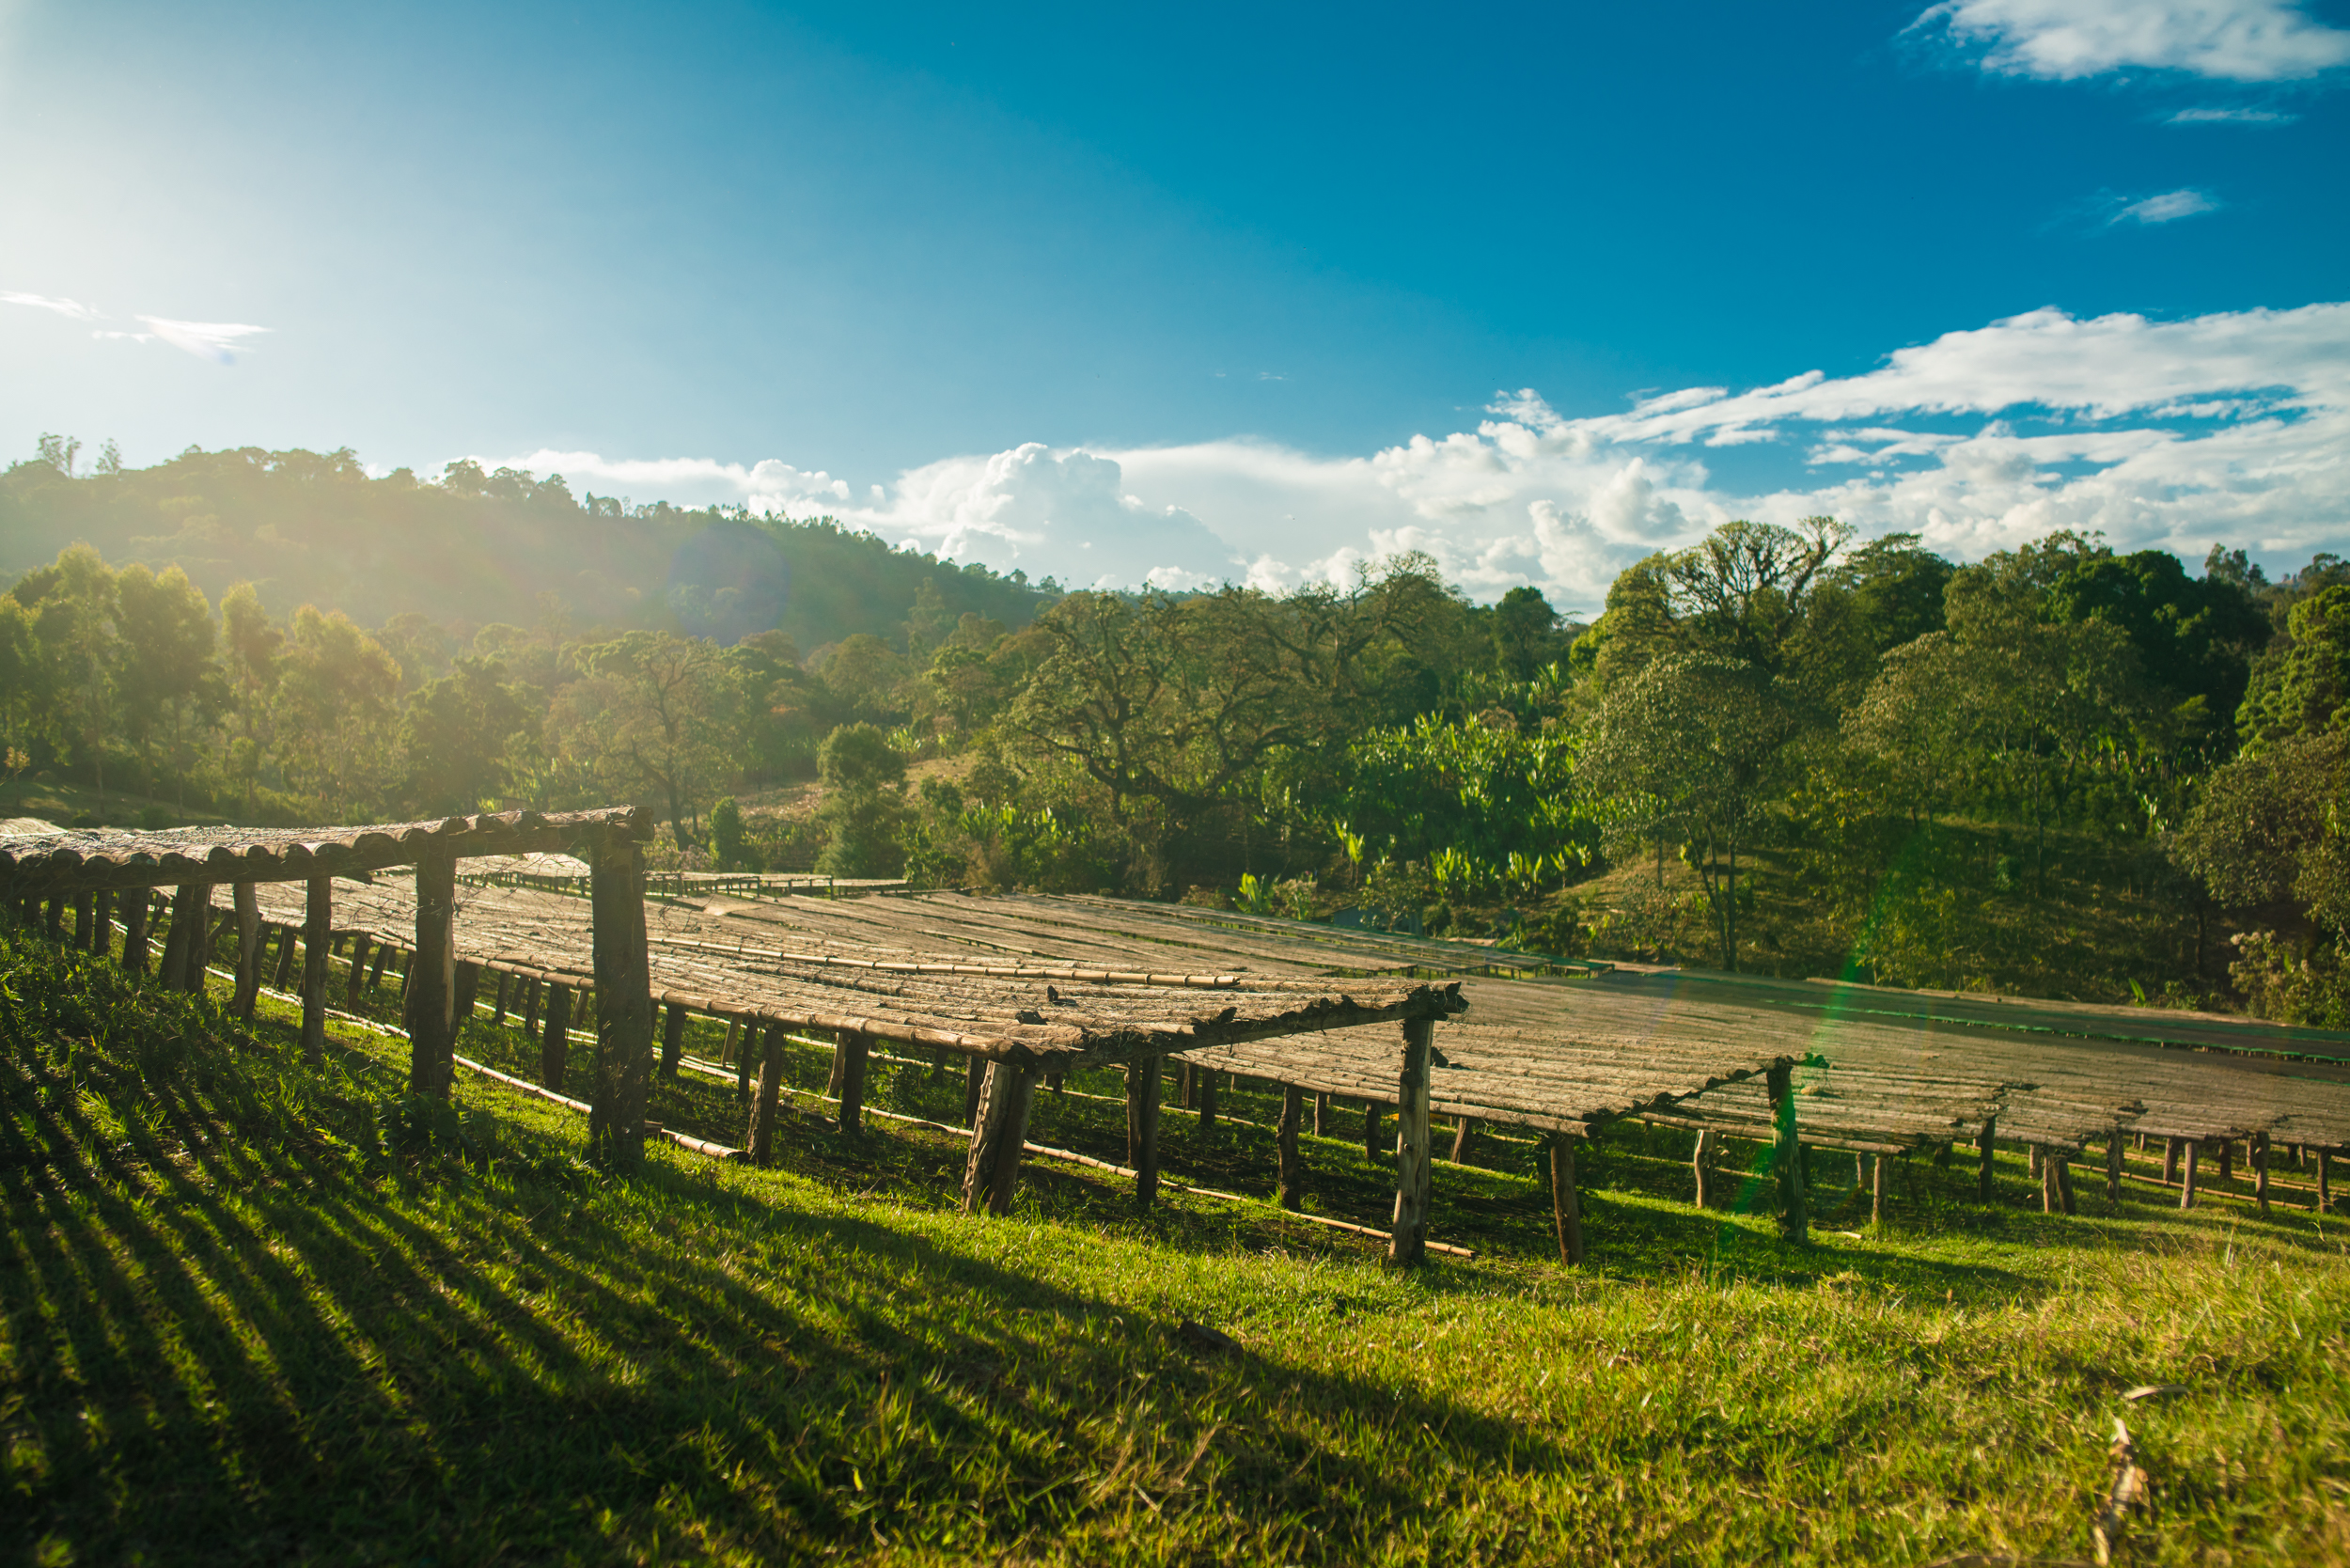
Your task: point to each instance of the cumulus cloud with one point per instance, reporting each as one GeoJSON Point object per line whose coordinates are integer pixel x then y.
{"type": "Point", "coordinates": [2230, 116]}
{"type": "Point", "coordinates": [2230, 426]}
{"type": "Point", "coordinates": [2061, 40]}
{"type": "Point", "coordinates": [2167, 207]}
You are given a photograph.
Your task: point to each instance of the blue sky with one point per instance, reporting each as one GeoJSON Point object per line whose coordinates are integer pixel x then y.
{"type": "Point", "coordinates": [1218, 292]}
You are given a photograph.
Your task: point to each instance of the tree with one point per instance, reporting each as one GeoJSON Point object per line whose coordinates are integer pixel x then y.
{"type": "Point", "coordinates": [864, 777]}
{"type": "Point", "coordinates": [1742, 593]}
{"type": "Point", "coordinates": [167, 641]}
{"type": "Point", "coordinates": [334, 705]}
{"type": "Point", "coordinates": [1691, 747]}
{"type": "Point", "coordinates": [655, 713]}
{"type": "Point", "coordinates": [2299, 685]}
{"type": "Point", "coordinates": [457, 732]}
{"type": "Point", "coordinates": [253, 646]}
{"type": "Point", "coordinates": [71, 605]}
{"type": "Point", "coordinates": [1526, 634]}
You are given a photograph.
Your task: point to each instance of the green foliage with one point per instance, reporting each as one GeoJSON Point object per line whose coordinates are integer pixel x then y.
{"type": "Point", "coordinates": [729, 844]}
{"type": "Point", "coordinates": [864, 806]}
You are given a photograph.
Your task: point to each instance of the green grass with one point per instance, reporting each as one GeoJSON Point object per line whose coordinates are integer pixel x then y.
{"type": "Point", "coordinates": [255, 1312]}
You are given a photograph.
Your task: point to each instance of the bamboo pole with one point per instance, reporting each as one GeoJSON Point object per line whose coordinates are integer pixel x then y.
{"type": "Point", "coordinates": [623, 972]}
{"type": "Point", "coordinates": [1408, 1236]}
{"type": "Point", "coordinates": [318, 940]}
{"type": "Point", "coordinates": [1293, 1188]}
{"type": "Point", "coordinates": [428, 1006]}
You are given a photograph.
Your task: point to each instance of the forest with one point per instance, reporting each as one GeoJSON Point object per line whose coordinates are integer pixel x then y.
{"type": "Point", "coordinates": [2063, 770]}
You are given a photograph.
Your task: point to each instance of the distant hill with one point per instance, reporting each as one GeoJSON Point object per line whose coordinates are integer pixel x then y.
{"type": "Point", "coordinates": [473, 548]}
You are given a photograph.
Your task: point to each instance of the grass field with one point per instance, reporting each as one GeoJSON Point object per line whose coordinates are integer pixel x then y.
{"type": "Point", "coordinates": [251, 1311]}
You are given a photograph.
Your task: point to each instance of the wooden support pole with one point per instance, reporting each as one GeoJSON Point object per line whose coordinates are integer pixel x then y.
{"type": "Point", "coordinates": [1566, 1208]}
{"type": "Point", "coordinates": [734, 1038]}
{"type": "Point", "coordinates": [1144, 1082]}
{"type": "Point", "coordinates": [375, 970]}
{"type": "Point", "coordinates": [532, 993]}
{"type": "Point", "coordinates": [1407, 1242]}
{"type": "Point", "coordinates": [974, 1080]}
{"type": "Point", "coordinates": [506, 994]}
{"type": "Point", "coordinates": [2064, 1180]}
{"type": "Point", "coordinates": [184, 949]}
{"type": "Point", "coordinates": [623, 970]}
{"type": "Point", "coordinates": [1188, 1082]}
{"type": "Point", "coordinates": [85, 920]}
{"type": "Point", "coordinates": [2227, 1159]}
{"type": "Point", "coordinates": [1876, 1190]}
{"type": "Point", "coordinates": [2171, 1160]}
{"type": "Point", "coordinates": [852, 1053]}
{"type": "Point", "coordinates": [358, 969]}
{"type": "Point", "coordinates": [429, 1006]}
{"type": "Point", "coordinates": [102, 923]}
{"type": "Point", "coordinates": [1465, 1127]}
{"type": "Point", "coordinates": [2035, 1164]}
{"type": "Point", "coordinates": [1292, 1189]}
{"type": "Point", "coordinates": [2256, 1151]}
{"type": "Point", "coordinates": [1860, 1171]}
{"type": "Point", "coordinates": [2186, 1186]}
{"type": "Point", "coordinates": [2049, 1202]}
{"type": "Point", "coordinates": [672, 1040]}
{"type": "Point", "coordinates": [1204, 1083]}
{"type": "Point", "coordinates": [286, 938]}
{"type": "Point", "coordinates": [760, 1138]}
{"type": "Point", "coordinates": [468, 988]}
{"type": "Point", "coordinates": [318, 940]}
{"type": "Point", "coordinates": [552, 1043]}
{"type": "Point", "coordinates": [2324, 1179]}
{"type": "Point", "coordinates": [248, 951]}
{"type": "Point", "coordinates": [134, 907]}
{"type": "Point", "coordinates": [992, 1169]}
{"type": "Point", "coordinates": [1321, 1116]}
{"type": "Point", "coordinates": [1697, 1162]}
{"type": "Point", "coordinates": [1794, 1219]}
{"type": "Point", "coordinates": [1982, 1177]}
{"type": "Point", "coordinates": [1370, 1131]}
{"type": "Point", "coordinates": [839, 1063]}
{"type": "Point", "coordinates": [2113, 1166]}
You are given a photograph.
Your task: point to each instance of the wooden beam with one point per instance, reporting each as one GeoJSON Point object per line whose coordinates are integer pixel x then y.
{"type": "Point", "coordinates": [248, 953]}
{"type": "Point", "coordinates": [624, 1076]}
{"type": "Point", "coordinates": [1408, 1236]}
{"type": "Point", "coordinates": [992, 1167]}
{"type": "Point", "coordinates": [1566, 1207]}
{"type": "Point", "coordinates": [317, 941]}
{"type": "Point", "coordinates": [760, 1138]}
{"type": "Point", "coordinates": [854, 1053]}
{"type": "Point", "coordinates": [430, 1005]}
{"type": "Point", "coordinates": [1794, 1219]}
{"type": "Point", "coordinates": [1292, 1181]}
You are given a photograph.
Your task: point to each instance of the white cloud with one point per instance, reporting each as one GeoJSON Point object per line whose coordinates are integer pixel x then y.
{"type": "Point", "coordinates": [2233, 427]}
{"type": "Point", "coordinates": [73, 310]}
{"type": "Point", "coordinates": [218, 341]}
{"type": "Point", "coordinates": [2230, 116]}
{"type": "Point", "coordinates": [2167, 207]}
{"type": "Point", "coordinates": [2240, 40]}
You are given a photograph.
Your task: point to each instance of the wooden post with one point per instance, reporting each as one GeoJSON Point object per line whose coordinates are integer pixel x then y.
{"type": "Point", "coordinates": [840, 1065]}
{"type": "Point", "coordinates": [1566, 1208]}
{"type": "Point", "coordinates": [2171, 1159]}
{"type": "Point", "coordinates": [191, 909]}
{"type": "Point", "coordinates": [1188, 1082]}
{"type": "Point", "coordinates": [1983, 1179]}
{"type": "Point", "coordinates": [429, 1010]}
{"type": "Point", "coordinates": [248, 951]}
{"type": "Point", "coordinates": [761, 1138]}
{"type": "Point", "coordinates": [2324, 1179]}
{"type": "Point", "coordinates": [1463, 1127]}
{"type": "Point", "coordinates": [1321, 1116]}
{"type": "Point", "coordinates": [318, 938]}
{"type": "Point", "coordinates": [1876, 1190]}
{"type": "Point", "coordinates": [85, 920]}
{"type": "Point", "coordinates": [1860, 1171]}
{"type": "Point", "coordinates": [1697, 1162]}
{"type": "Point", "coordinates": [506, 994]}
{"type": "Point", "coordinates": [407, 974]}
{"type": "Point", "coordinates": [1407, 1241]}
{"type": "Point", "coordinates": [468, 988]}
{"type": "Point", "coordinates": [734, 1036]}
{"type": "Point", "coordinates": [358, 969]}
{"type": "Point", "coordinates": [752, 1038]}
{"type": "Point", "coordinates": [616, 1118]}
{"type": "Point", "coordinates": [135, 905]}
{"type": "Point", "coordinates": [2049, 1201]}
{"type": "Point", "coordinates": [103, 922]}
{"type": "Point", "coordinates": [532, 991]}
{"type": "Point", "coordinates": [672, 1039]}
{"type": "Point", "coordinates": [1006, 1090]}
{"type": "Point", "coordinates": [2113, 1166]}
{"type": "Point", "coordinates": [1370, 1131]}
{"type": "Point", "coordinates": [2187, 1188]}
{"type": "Point", "coordinates": [375, 970]}
{"type": "Point", "coordinates": [1794, 1219]}
{"type": "Point", "coordinates": [2227, 1159]}
{"type": "Point", "coordinates": [553, 1044]}
{"type": "Point", "coordinates": [1293, 1190]}
{"type": "Point", "coordinates": [287, 937]}
{"type": "Point", "coordinates": [1143, 1084]}
{"type": "Point", "coordinates": [2064, 1182]}
{"type": "Point", "coordinates": [974, 1079]}
{"type": "Point", "coordinates": [1203, 1083]}
{"type": "Point", "coordinates": [852, 1054]}
{"type": "Point", "coordinates": [2256, 1151]}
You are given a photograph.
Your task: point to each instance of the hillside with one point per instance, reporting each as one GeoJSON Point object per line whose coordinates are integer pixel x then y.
{"type": "Point", "coordinates": [473, 549]}
{"type": "Point", "coordinates": [260, 1312]}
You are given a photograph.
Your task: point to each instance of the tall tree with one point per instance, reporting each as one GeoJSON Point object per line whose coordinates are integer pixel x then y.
{"type": "Point", "coordinates": [167, 641]}
{"type": "Point", "coordinates": [654, 715]}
